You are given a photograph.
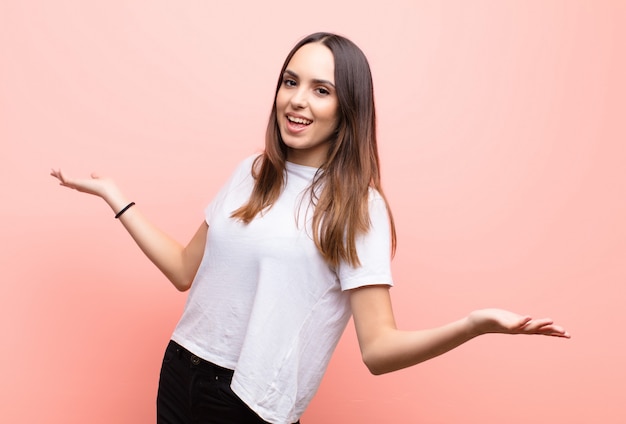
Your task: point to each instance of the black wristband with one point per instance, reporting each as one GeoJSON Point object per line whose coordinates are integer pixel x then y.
{"type": "Point", "coordinates": [117, 215]}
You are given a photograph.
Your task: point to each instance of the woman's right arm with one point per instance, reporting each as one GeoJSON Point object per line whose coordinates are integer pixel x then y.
{"type": "Point", "coordinates": [179, 263]}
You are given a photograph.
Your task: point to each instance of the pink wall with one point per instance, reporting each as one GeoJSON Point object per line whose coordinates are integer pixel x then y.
{"type": "Point", "coordinates": [503, 146]}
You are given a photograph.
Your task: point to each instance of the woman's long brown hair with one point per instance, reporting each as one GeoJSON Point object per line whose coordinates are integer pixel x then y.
{"type": "Point", "coordinates": [340, 189]}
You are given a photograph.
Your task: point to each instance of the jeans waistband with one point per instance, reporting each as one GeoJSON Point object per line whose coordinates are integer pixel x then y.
{"type": "Point", "coordinates": [200, 363]}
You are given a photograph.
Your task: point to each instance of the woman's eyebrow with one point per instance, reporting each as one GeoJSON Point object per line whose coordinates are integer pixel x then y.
{"type": "Point", "coordinates": [315, 80]}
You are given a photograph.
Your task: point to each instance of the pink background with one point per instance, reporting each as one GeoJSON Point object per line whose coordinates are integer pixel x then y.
{"type": "Point", "coordinates": [503, 143]}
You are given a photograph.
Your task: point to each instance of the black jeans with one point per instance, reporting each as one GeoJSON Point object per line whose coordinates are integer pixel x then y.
{"type": "Point", "coordinates": [195, 391]}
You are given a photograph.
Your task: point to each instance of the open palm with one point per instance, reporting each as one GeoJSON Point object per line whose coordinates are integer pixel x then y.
{"type": "Point", "coordinates": [96, 185]}
{"type": "Point", "coordinates": [502, 321]}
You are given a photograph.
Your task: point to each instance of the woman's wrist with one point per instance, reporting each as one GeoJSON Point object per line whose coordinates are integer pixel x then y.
{"type": "Point", "coordinates": [115, 199]}
{"type": "Point", "coordinates": [475, 324]}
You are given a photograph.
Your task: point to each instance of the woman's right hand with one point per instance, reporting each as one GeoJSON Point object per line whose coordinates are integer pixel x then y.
{"type": "Point", "coordinates": [178, 263]}
{"type": "Point", "coordinates": [96, 185]}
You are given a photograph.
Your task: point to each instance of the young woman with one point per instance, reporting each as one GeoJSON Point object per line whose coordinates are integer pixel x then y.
{"type": "Point", "coordinates": [299, 239]}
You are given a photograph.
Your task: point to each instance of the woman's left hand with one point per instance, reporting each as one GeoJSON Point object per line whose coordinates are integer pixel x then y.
{"type": "Point", "coordinates": [501, 321]}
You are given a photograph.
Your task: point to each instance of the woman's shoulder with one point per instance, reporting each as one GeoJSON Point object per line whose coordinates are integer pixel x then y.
{"type": "Point", "coordinates": [374, 195]}
{"type": "Point", "coordinates": [241, 174]}
{"type": "Point", "coordinates": [244, 167]}
{"type": "Point", "coordinates": [247, 163]}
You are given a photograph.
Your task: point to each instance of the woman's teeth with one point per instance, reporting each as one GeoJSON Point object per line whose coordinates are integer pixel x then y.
{"type": "Point", "coordinates": [299, 120]}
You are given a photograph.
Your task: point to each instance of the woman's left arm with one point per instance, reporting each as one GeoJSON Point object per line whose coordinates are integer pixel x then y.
{"type": "Point", "coordinates": [384, 348]}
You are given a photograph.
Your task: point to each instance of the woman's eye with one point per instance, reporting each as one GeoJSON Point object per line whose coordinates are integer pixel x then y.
{"type": "Point", "coordinates": [289, 82]}
{"type": "Point", "coordinates": [323, 91]}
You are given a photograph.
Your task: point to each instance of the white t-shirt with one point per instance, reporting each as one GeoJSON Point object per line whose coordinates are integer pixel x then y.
{"type": "Point", "coordinates": [265, 304]}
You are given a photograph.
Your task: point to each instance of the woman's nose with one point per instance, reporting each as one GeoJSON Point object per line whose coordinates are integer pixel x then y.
{"type": "Point", "coordinates": [299, 99]}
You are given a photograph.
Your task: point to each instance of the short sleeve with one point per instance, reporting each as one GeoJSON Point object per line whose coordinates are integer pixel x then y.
{"type": "Point", "coordinates": [373, 249]}
{"type": "Point", "coordinates": [241, 173]}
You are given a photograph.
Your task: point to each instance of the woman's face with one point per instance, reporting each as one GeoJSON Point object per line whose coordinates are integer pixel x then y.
{"type": "Point", "coordinates": [307, 105]}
